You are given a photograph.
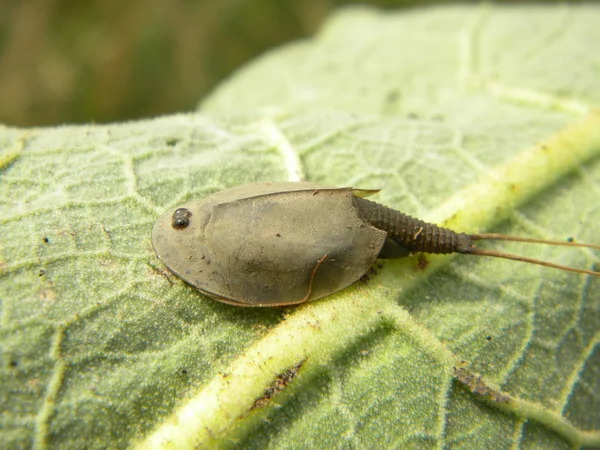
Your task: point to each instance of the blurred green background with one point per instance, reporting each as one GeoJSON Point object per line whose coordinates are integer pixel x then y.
{"type": "Point", "coordinates": [65, 61]}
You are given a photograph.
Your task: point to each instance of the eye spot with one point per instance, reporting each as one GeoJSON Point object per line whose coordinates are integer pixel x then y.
{"type": "Point", "coordinates": [181, 218]}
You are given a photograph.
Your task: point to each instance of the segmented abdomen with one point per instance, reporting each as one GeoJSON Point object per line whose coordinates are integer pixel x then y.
{"type": "Point", "coordinates": [413, 234]}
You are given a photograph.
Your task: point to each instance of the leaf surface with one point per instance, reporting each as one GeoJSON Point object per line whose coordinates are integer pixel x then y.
{"type": "Point", "coordinates": [481, 118]}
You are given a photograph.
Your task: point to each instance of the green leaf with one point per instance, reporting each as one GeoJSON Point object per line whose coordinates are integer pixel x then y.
{"type": "Point", "coordinates": [481, 118]}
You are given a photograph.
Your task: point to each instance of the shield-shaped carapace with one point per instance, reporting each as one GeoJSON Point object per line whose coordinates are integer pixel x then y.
{"type": "Point", "coordinates": [273, 244]}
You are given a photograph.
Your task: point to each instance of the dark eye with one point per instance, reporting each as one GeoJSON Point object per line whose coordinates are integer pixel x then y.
{"type": "Point", "coordinates": [181, 218]}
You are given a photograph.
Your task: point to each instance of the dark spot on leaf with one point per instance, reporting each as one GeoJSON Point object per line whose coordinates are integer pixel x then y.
{"type": "Point", "coordinates": [162, 272]}
{"type": "Point", "coordinates": [477, 385]}
{"type": "Point", "coordinates": [422, 262]}
{"type": "Point", "coordinates": [392, 96]}
{"type": "Point", "coordinates": [279, 384]}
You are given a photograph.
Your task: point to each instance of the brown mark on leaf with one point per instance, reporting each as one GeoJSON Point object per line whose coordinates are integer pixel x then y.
{"type": "Point", "coordinates": [161, 272]}
{"type": "Point", "coordinates": [108, 234]}
{"type": "Point", "coordinates": [373, 271]}
{"type": "Point", "coordinates": [476, 384]}
{"type": "Point", "coordinates": [46, 293]}
{"type": "Point", "coordinates": [365, 278]}
{"type": "Point", "coordinates": [34, 386]}
{"type": "Point", "coordinates": [67, 233]}
{"type": "Point", "coordinates": [105, 263]}
{"type": "Point", "coordinates": [278, 385]}
{"type": "Point", "coordinates": [422, 262]}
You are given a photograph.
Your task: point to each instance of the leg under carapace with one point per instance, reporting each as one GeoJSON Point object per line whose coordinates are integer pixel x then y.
{"type": "Point", "coordinates": [418, 236]}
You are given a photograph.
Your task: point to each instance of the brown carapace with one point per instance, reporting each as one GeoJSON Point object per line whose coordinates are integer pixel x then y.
{"type": "Point", "coordinates": [418, 236]}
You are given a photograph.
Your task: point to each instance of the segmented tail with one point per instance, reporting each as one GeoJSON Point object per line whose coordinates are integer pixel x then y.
{"type": "Point", "coordinates": [412, 234]}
